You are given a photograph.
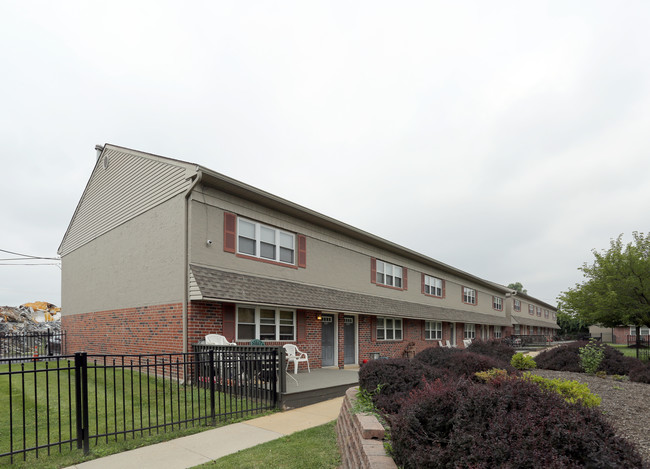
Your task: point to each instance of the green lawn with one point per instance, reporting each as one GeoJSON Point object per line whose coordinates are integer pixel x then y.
{"type": "Point", "coordinates": [314, 448]}
{"type": "Point", "coordinates": [119, 399]}
{"type": "Point", "coordinates": [625, 350]}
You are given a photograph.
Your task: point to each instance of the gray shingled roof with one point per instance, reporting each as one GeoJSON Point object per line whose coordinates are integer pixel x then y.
{"type": "Point", "coordinates": [222, 285]}
{"type": "Point", "coordinates": [533, 322]}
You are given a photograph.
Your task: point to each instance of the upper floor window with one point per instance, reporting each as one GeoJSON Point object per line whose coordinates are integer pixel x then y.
{"type": "Point", "coordinates": [389, 329]}
{"type": "Point", "coordinates": [389, 274]}
{"type": "Point", "coordinates": [497, 332]}
{"type": "Point", "coordinates": [539, 311]}
{"type": "Point", "coordinates": [259, 322]}
{"type": "Point", "coordinates": [546, 313]}
{"type": "Point", "coordinates": [531, 309]}
{"type": "Point", "coordinates": [517, 305]}
{"type": "Point", "coordinates": [258, 240]}
{"type": "Point", "coordinates": [470, 331]}
{"type": "Point", "coordinates": [432, 330]}
{"type": "Point", "coordinates": [497, 303]}
{"type": "Point", "coordinates": [433, 286]}
{"type": "Point", "coordinates": [469, 296]}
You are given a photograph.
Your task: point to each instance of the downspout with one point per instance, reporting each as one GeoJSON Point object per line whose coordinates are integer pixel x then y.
{"type": "Point", "coordinates": [186, 253]}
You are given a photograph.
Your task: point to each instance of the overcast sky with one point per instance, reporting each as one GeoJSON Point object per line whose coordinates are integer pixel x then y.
{"type": "Point", "coordinates": [507, 139]}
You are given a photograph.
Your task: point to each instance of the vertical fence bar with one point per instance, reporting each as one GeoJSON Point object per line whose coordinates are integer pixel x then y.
{"type": "Point", "coordinates": [81, 395]}
{"type": "Point", "coordinates": [213, 420]}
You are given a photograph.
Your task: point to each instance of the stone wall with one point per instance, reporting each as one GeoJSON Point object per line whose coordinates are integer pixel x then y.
{"type": "Point", "coordinates": [360, 438]}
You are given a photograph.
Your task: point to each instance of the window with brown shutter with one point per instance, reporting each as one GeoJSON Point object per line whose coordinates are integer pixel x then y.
{"type": "Point", "coordinates": [302, 251]}
{"type": "Point", "coordinates": [229, 232]}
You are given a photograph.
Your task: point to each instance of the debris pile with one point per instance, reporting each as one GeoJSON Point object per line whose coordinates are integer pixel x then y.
{"type": "Point", "coordinates": [39, 316]}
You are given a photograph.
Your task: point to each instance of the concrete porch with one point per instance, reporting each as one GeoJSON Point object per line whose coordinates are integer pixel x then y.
{"type": "Point", "coordinates": [320, 385]}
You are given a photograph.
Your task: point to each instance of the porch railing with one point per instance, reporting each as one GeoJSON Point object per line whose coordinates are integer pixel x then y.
{"type": "Point", "coordinates": [32, 344]}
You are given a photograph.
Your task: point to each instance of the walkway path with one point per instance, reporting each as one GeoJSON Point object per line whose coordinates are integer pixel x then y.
{"type": "Point", "coordinates": [203, 447]}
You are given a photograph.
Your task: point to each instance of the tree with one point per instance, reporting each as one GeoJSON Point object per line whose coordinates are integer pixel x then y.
{"type": "Point", "coordinates": [571, 325]}
{"type": "Point", "coordinates": [616, 290]}
{"type": "Point", "coordinates": [517, 286]}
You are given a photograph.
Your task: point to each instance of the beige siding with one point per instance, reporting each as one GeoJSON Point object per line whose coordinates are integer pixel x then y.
{"type": "Point", "coordinates": [333, 260]}
{"type": "Point", "coordinates": [139, 263]}
{"type": "Point", "coordinates": [127, 186]}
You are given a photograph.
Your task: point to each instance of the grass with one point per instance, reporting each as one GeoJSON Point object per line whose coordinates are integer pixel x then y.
{"type": "Point", "coordinates": [314, 448]}
{"type": "Point", "coordinates": [625, 350]}
{"type": "Point", "coordinates": [120, 399]}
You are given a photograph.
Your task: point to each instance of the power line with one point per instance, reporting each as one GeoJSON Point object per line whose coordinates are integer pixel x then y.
{"type": "Point", "coordinates": [28, 256]}
{"type": "Point", "coordinates": [38, 263]}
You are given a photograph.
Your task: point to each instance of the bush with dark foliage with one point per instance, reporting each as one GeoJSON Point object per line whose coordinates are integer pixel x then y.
{"type": "Point", "coordinates": [509, 423]}
{"type": "Point", "coordinates": [492, 348]}
{"type": "Point", "coordinates": [437, 356]}
{"type": "Point", "coordinates": [460, 362]}
{"type": "Point", "coordinates": [396, 378]}
{"type": "Point", "coordinates": [567, 358]}
{"type": "Point", "coordinates": [641, 374]}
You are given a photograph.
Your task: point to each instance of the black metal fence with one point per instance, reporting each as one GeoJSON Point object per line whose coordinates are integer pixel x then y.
{"type": "Point", "coordinates": [32, 344]}
{"type": "Point", "coordinates": [522, 341]}
{"type": "Point", "coordinates": [73, 402]}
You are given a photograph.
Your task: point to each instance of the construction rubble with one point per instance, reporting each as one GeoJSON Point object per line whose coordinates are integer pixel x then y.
{"type": "Point", "coordinates": [39, 316]}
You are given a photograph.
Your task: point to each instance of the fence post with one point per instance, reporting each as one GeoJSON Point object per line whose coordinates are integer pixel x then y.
{"type": "Point", "coordinates": [212, 386]}
{"type": "Point", "coordinates": [282, 355]}
{"type": "Point", "coordinates": [81, 400]}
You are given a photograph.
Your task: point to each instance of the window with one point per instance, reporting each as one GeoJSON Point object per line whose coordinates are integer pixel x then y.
{"type": "Point", "coordinates": [531, 309]}
{"type": "Point", "coordinates": [389, 329]}
{"type": "Point", "coordinates": [389, 274]}
{"type": "Point", "coordinates": [517, 329]}
{"type": "Point", "coordinates": [258, 240]}
{"type": "Point", "coordinates": [539, 311]}
{"type": "Point", "coordinates": [497, 303]}
{"type": "Point", "coordinates": [469, 296]}
{"type": "Point", "coordinates": [517, 305]}
{"type": "Point", "coordinates": [470, 331]}
{"type": "Point", "coordinates": [644, 330]}
{"type": "Point", "coordinates": [497, 332]}
{"type": "Point", "coordinates": [546, 313]}
{"type": "Point", "coordinates": [433, 286]}
{"type": "Point", "coordinates": [432, 330]}
{"type": "Point", "coordinates": [259, 322]}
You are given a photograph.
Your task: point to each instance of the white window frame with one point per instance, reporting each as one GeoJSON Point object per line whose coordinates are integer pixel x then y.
{"type": "Point", "coordinates": [389, 333]}
{"type": "Point", "coordinates": [497, 303]}
{"type": "Point", "coordinates": [531, 310]}
{"type": "Point", "coordinates": [386, 270]}
{"type": "Point", "coordinates": [546, 313]}
{"type": "Point", "coordinates": [643, 331]}
{"type": "Point", "coordinates": [539, 311]}
{"type": "Point", "coordinates": [435, 286]}
{"type": "Point", "coordinates": [469, 331]}
{"type": "Point", "coordinates": [432, 330]}
{"type": "Point", "coordinates": [517, 305]}
{"type": "Point", "coordinates": [497, 332]}
{"type": "Point", "coordinates": [278, 322]}
{"type": "Point", "coordinates": [281, 241]}
{"type": "Point", "coordinates": [469, 295]}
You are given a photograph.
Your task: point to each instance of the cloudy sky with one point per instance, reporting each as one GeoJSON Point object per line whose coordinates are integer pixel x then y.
{"type": "Point", "coordinates": [505, 138]}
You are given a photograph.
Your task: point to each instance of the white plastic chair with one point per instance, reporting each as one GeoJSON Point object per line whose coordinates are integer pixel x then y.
{"type": "Point", "coordinates": [441, 344]}
{"type": "Point", "coordinates": [467, 342]}
{"type": "Point", "coordinates": [216, 339]}
{"type": "Point", "coordinates": [296, 356]}
{"type": "Point", "coordinates": [449, 344]}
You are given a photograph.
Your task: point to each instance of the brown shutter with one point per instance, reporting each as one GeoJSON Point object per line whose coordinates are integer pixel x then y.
{"type": "Point", "coordinates": [373, 329]}
{"type": "Point", "coordinates": [301, 326]}
{"type": "Point", "coordinates": [373, 270]}
{"type": "Point", "coordinates": [444, 285]}
{"type": "Point", "coordinates": [422, 282]}
{"type": "Point", "coordinates": [229, 321]}
{"type": "Point", "coordinates": [422, 330]}
{"type": "Point", "coordinates": [302, 251]}
{"type": "Point", "coordinates": [229, 232]}
{"type": "Point", "coordinates": [405, 278]}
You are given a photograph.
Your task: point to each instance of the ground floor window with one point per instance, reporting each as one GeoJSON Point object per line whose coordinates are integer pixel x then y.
{"type": "Point", "coordinates": [643, 331]}
{"type": "Point", "coordinates": [470, 331]}
{"type": "Point", "coordinates": [259, 322]}
{"type": "Point", "coordinates": [389, 329]}
{"type": "Point", "coordinates": [497, 332]}
{"type": "Point", "coordinates": [517, 331]}
{"type": "Point", "coordinates": [432, 330]}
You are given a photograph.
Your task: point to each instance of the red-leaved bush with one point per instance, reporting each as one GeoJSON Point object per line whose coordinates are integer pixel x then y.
{"type": "Point", "coordinates": [507, 423]}
{"type": "Point", "coordinates": [567, 358]}
{"type": "Point", "coordinates": [495, 348]}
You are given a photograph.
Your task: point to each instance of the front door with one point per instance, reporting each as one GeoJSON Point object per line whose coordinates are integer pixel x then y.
{"type": "Point", "coordinates": [452, 331]}
{"type": "Point", "coordinates": [327, 340]}
{"type": "Point", "coordinates": [350, 345]}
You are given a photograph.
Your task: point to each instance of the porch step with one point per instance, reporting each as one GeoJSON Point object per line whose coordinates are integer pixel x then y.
{"type": "Point", "coordinates": [313, 396]}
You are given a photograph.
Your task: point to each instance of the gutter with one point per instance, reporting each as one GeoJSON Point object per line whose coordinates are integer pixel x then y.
{"type": "Point", "coordinates": [186, 253]}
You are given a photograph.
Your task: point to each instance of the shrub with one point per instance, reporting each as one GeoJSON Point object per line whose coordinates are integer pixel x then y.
{"type": "Point", "coordinates": [523, 362]}
{"type": "Point", "coordinates": [572, 391]}
{"type": "Point", "coordinates": [615, 363]}
{"type": "Point", "coordinates": [436, 356]}
{"type": "Point", "coordinates": [505, 423]}
{"type": "Point", "coordinates": [640, 374]}
{"type": "Point", "coordinates": [468, 363]}
{"type": "Point", "coordinates": [491, 374]}
{"type": "Point", "coordinates": [563, 358]}
{"type": "Point", "coordinates": [492, 348]}
{"type": "Point", "coordinates": [591, 356]}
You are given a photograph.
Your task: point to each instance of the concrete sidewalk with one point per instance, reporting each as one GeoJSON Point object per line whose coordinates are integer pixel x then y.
{"type": "Point", "coordinates": [189, 451]}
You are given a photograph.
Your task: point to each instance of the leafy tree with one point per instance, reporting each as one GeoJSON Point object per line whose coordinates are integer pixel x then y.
{"type": "Point", "coordinates": [616, 290]}
{"type": "Point", "coordinates": [571, 325]}
{"type": "Point", "coordinates": [517, 286]}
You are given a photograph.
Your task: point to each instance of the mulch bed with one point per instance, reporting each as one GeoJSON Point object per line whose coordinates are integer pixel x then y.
{"type": "Point", "coordinates": [626, 405]}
